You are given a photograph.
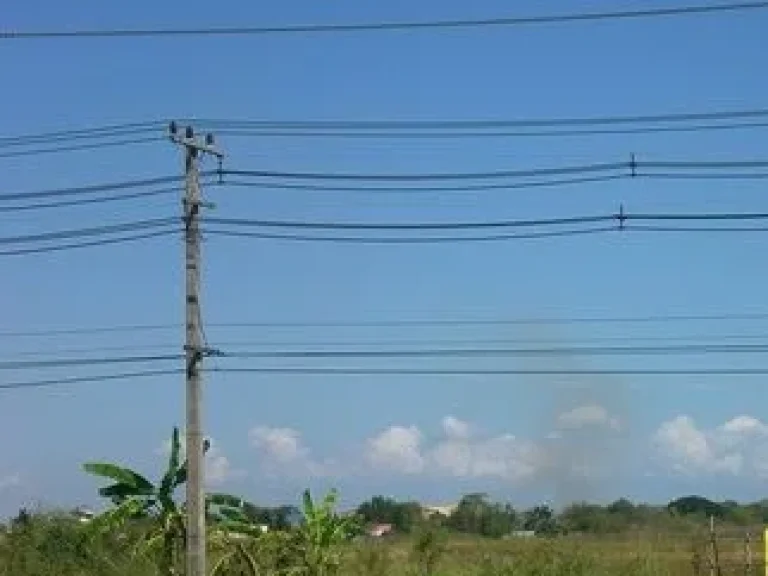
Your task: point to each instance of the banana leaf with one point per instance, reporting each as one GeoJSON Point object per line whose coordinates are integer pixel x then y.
{"type": "Point", "coordinates": [119, 474]}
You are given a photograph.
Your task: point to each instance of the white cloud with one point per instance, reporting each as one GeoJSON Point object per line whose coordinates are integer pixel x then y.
{"type": "Point", "coordinates": [401, 449]}
{"type": "Point", "coordinates": [735, 447]}
{"type": "Point", "coordinates": [455, 428]}
{"type": "Point", "coordinates": [218, 467]}
{"type": "Point", "coordinates": [9, 481]}
{"type": "Point", "coordinates": [587, 415]}
{"type": "Point", "coordinates": [398, 449]}
{"type": "Point", "coordinates": [280, 444]}
{"type": "Point", "coordinates": [283, 451]}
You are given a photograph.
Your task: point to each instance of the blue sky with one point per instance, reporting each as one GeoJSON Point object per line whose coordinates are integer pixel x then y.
{"type": "Point", "coordinates": [275, 434]}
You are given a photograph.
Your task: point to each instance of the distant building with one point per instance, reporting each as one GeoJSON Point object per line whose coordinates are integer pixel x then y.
{"type": "Point", "coordinates": [522, 534]}
{"type": "Point", "coordinates": [379, 530]}
{"type": "Point", "coordinates": [441, 510]}
{"type": "Point", "coordinates": [83, 514]}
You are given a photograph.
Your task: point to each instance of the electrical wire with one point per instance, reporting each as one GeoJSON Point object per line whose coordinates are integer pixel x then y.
{"type": "Point", "coordinates": [87, 232]}
{"type": "Point", "coordinates": [571, 351]}
{"type": "Point", "coordinates": [355, 371]}
{"type": "Point", "coordinates": [420, 189]}
{"type": "Point", "coordinates": [563, 18]}
{"type": "Point", "coordinates": [88, 244]}
{"type": "Point", "coordinates": [621, 219]}
{"type": "Point", "coordinates": [532, 173]}
{"type": "Point", "coordinates": [71, 362]}
{"type": "Point", "coordinates": [335, 239]}
{"type": "Point", "coordinates": [86, 201]}
{"type": "Point", "coordinates": [247, 345]}
{"type": "Point", "coordinates": [293, 133]}
{"type": "Point", "coordinates": [663, 319]}
{"type": "Point", "coordinates": [79, 147]}
{"type": "Point", "coordinates": [631, 167]}
{"type": "Point", "coordinates": [301, 224]}
{"type": "Point", "coordinates": [91, 189]}
{"type": "Point", "coordinates": [486, 124]}
{"type": "Point", "coordinates": [680, 349]}
{"type": "Point", "coordinates": [86, 379]}
{"type": "Point", "coordinates": [464, 322]}
{"type": "Point", "coordinates": [123, 129]}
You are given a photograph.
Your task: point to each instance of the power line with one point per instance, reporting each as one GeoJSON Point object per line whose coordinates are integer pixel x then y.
{"type": "Point", "coordinates": [572, 351]}
{"type": "Point", "coordinates": [402, 322]}
{"type": "Point", "coordinates": [88, 244]}
{"type": "Point", "coordinates": [462, 322]}
{"type": "Point", "coordinates": [261, 133]}
{"type": "Point", "coordinates": [414, 189]}
{"type": "Point", "coordinates": [71, 362]}
{"type": "Point", "coordinates": [558, 171]}
{"type": "Point", "coordinates": [335, 239]}
{"type": "Point", "coordinates": [680, 349]}
{"type": "Point", "coordinates": [411, 226]}
{"type": "Point", "coordinates": [108, 131]}
{"type": "Point", "coordinates": [487, 124]}
{"type": "Point", "coordinates": [689, 340]}
{"type": "Point", "coordinates": [90, 189]}
{"type": "Point", "coordinates": [632, 167]}
{"type": "Point", "coordinates": [84, 379]}
{"type": "Point", "coordinates": [86, 201]}
{"type": "Point", "coordinates": [620, 218]}
{"type": "Point", "coordinates": [688, 10]}
{"type": "Point", "coordinates": [79, 147]}
{"type": "Point", "coordinates": [87, 232]}
{"type": "Point", "coordinates": [338, 371]}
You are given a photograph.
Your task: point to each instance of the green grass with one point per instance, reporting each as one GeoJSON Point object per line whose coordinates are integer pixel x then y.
{"type": "Point", "coordinates": [52, 546]}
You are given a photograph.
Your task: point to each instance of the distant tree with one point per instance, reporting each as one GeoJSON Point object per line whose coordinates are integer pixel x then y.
{"type": "Point", "coordinates": [696, 505]}
{"type": "Point", "coordinates": [541, 520]}
{"type": "Point", "coordinates": [476, 515]}
{"type": "Point", "coordinates": [403, 516]}
{"type": "Point", "coordinates": [277, 518]}
{"type": "Point", "coordinates": [590, 518]}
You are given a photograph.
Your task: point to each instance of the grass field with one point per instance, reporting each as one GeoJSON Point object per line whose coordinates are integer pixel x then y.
{"type": "Point", "coordinates": [53, 547]}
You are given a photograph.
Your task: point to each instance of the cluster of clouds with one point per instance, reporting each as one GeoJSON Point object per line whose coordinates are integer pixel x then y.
{"type": "Point", "coordinates": [738, 447]}
{"type": "Point", "coordinates": [461, 450]}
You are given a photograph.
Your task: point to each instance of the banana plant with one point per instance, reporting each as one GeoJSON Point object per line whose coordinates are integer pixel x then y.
{"type": "Point", "coordinates": [135, 497]}
{"type": "Point", "coordinates": [323, 531]}
{"type": "Point", "coordinates": [230, 530]}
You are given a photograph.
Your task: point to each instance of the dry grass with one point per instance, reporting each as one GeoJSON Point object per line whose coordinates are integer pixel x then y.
{"type": "Point", "coordinates": [54, 548]}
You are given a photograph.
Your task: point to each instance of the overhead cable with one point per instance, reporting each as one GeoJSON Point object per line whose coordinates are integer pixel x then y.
{"type": "Point", "coordinates": [86, 201]}
{"type": "Point", "coordinates": [409, 239]}
{"type": "Point", "coordinates": [89, 244]}
{"type": "Point", "coordinates": [86, 379]}
{"type": "Point", "coordinates": [485, 124]}
{"type": "Point", "coordinates": [466, 321]}
{"type": "Point", "coordinates": [240, 30]}
{"type": "Point", "coordinates": [680, 349]}
{"type": "Point", "coordinates": [90, 189]}
{"type": "Point", "coordinates": [72, 362]}
{"type": "Point", "coordinates": [364, 371]}
{"type": "Point", "coordinates": [87, 232]}
{"type": "Point", "coordinates": [78, 147]}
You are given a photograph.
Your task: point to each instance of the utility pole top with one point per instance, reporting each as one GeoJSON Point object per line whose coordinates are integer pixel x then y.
{"type": "Point", "coordinates": [188, 139]}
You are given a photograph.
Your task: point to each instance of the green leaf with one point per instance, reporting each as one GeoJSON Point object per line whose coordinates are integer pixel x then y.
{"type": "Point", "coordinates": [181, 475]}
{"type": "Point", "coordinates": [221, 499]}
{"type": "Point", "coordinates": [119, 490]}
{"type": "Point", "coordinates": [120, 474]}
{"type": "Point", "coordinates": [309, 506]}
{"type": "Point", "coordinates": [250, 560]}
{"type": "Point", "coordinates": [167, 484]}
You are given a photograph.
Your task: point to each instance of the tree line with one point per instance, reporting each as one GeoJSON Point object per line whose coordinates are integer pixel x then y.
{"type": "Point", "coordinates": [477, 514]}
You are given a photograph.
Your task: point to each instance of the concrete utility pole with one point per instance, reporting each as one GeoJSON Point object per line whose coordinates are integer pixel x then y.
{"type": "Point", "coordinates": [193, 149]}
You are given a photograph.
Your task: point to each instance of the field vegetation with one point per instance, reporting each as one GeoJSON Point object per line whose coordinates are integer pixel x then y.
{"type": "Point", "coordinates": [142, 533]}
